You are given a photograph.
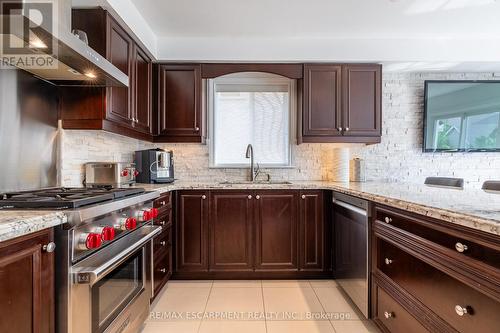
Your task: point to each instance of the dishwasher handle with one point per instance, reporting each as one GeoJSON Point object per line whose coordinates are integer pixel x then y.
{"type": "Point", "coordinates": [350, 207]}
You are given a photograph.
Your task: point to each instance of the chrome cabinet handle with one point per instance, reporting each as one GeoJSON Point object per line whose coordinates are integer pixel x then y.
{"type": "Point", "coordinates": [387, 219]}
{"type": "Point", "coordinates": [388, 261]}
{"type": "Point", "coordinates": [163, 243]}
{"type": "Point", "coordinates": [249, 197]}
{"type": "Point", "coordinates": [49, 248]}
{"type": "Point", "coordinates": [303, 196]}
{"type": "Point", "coordinates": [203, 196]}
{"type": "Point", "coordinates": [163, 270]}
{"type": "Point", "coordinates": [162, 223]}
{"type": "Point", "coordinates": [347, 129]}
{"type": "Point", "coordinates": [460, 247]}
{"type": "Point", "coordinates": [163, 203]}
{"type": "Point", "coordinates": [257, 197]}
{"type": "Point", "coordinates": [461, 310]}
{"type": "Point", "coordinates": [197, 129]}
{"type": "Point", "coordinates": [388, 315]}
{"type": "Point", "coordinates": [340, 129]}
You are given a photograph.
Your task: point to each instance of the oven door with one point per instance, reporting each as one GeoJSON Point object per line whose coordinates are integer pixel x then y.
{"type": "Point", "coordinates": [109, 284]}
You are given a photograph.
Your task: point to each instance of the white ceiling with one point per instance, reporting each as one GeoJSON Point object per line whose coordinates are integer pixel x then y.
{"type": "Point", "coordinates": [322, 18]}
{"type": "Point", "coordinates": [406, 35]}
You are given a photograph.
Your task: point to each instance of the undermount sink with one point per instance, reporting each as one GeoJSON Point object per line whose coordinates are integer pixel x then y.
{"type": "Point", "coordinates": [271, 182]}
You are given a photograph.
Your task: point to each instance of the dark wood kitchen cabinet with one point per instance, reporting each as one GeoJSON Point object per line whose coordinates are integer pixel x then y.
{"type": "Point", "coordinates": [126, 111]}
{"type": "Point", "coordinates": [27, 284]}
{"type": "Point", "coordinates": [361, 100]}
{"type": "Point", "coordinates": [311, 231]}
{"type": "Point", "coordinates": [231, 231]}
{"type": "Point", "coordinates": [192, 231]}
{"type": "Point", "coordinates": [429, 275]}
{"type": "Point", "coordinates": [276, 224]}
{"type": "Point", "coordinates": [341, 103]}
{"type": "Point", "coordinates": [322, 101]}
{"type": "Point", "coordinates": [179, 103]}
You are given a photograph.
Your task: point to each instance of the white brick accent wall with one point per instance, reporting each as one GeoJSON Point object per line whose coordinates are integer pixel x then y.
{"type": "Point", "coordinates": [398, 158]}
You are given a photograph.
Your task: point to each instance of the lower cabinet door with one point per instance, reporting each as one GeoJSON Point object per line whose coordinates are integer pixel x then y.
{"type": "Point", "coordinates": [27, 284]}
{"type": "Point", "coordinates": [231, 231]}
{"type": "Point", "coordinates": [276, 230]}
{"type": "Point", "coordinates": [192, 232]}
{"type": "Point", "coordinates": [393, 316]}
{"type": "Point", "coordinates": [311, 235]}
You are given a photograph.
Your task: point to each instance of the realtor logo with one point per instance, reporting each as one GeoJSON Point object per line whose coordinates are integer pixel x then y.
{"type": "Point", "coordinates": [27, 34]}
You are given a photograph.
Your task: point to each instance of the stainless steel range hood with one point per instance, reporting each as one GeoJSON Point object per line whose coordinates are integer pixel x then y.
{"type": "Point", "coordinates": [50, 50]}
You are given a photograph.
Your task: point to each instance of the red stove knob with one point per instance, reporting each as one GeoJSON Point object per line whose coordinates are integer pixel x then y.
{"type": "Point", "coordinates": [154, 213]}
{"type": "Point", "coordinates": [143, 215]}
{"type": "Point", "coordinates": [136, 173]}
{"type": "Point", "coordinates": [130, 223]}
{"type": "Point", "coordinates": [125, 173]}
{"type": "Point", "coordinates": [126, 223]}
{"type": "Point", "coordinates": [90, 241]}
{"type": "Point", "coordinates": [108, 233]}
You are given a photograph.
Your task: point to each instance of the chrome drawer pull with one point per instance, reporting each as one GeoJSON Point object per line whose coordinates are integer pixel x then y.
{"type": "Point", "coordinates": [203, 196]}
{"type": "Point", "coordinates": [163, 270]}
{"type": "Point", "coordinates": [249, 197]}
{"type": "Point", "coordinates": [461, 247]}
{"type": "Point", "coordinates": [163, 243]}
{"type": "Point", "coordinates": [461, 310]}
{"type": "Point", "coordinates": [388, 315]}
{"type": "Point", "coordinates": [257, 197]}
{"type": "Point", "coordinates": [162, 222]}
{"type": "Point", "coordinates": [49, 247]}
{"type": "Point", "coordinates": [303, 196]}
{"type": "Point", "coordinates": [388, 219]}
{"type": "Point", "coordinates": [163, 203]}
{"type": "Point", "coordinates": [388, 261]}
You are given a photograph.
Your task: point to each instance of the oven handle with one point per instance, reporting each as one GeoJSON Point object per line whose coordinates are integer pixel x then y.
{"type": "Point", "coordinates": [91, 275]}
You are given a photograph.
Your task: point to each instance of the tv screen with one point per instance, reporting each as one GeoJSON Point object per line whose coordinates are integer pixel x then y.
{"type": "Point", "coordinates": [462, 116]}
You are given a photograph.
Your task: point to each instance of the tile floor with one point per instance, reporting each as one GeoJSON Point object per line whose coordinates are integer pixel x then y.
{"type": "Point", "coordinates": [291, 306]}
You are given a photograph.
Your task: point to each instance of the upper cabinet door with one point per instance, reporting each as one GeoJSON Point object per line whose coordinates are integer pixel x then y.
{"type": "Point", "coordinates": [322, 100]}
{"type": "Point", "coordinates": [142, 87]}
{"type": "Point", "coordinates": [119, 50]}
{"type": "Point", "coordinates": [361, 109]}
{"type": "Point", "coordinates": [180, 116]}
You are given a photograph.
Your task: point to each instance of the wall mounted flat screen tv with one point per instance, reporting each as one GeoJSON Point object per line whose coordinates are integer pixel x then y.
{"type": "Point", "coordinates": [462, 116]}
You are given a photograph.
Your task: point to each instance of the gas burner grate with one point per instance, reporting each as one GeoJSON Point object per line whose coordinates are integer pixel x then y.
{"type": "Point", "coordinates": [63, 198]}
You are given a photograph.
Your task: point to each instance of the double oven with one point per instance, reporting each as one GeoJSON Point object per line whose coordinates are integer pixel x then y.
{"type": "Point", "coordinates": [104, 283]}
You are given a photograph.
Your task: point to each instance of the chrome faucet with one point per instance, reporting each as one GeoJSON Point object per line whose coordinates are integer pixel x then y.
{"type": "Point", "coordinates": [249, 154]}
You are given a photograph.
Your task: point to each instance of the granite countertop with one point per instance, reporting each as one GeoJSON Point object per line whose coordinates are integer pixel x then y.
{"type": "Point", "coordinates": [16, 223]}
{"type": "Point", "coordinates": [471, 208]}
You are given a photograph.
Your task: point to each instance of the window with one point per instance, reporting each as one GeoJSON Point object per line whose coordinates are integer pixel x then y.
{"type": "Point", "coordinates": [250, 108]}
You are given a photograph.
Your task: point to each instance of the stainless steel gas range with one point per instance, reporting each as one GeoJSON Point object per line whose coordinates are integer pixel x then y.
{"type": "Point", "coordinates": [103, 256]}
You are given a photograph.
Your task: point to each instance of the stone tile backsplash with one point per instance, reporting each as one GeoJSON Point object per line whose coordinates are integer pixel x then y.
{"type": "Point", "coordinates": [398, 157]}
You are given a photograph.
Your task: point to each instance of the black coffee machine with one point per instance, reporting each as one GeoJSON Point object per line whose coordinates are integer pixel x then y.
{"type": "Point", "coordinates": [154, 166]}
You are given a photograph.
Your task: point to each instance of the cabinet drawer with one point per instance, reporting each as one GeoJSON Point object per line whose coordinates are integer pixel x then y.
{"type": "Point", "coordinates": [163, 203]}
{"type": "Point", "coordinates": [164, 219]}
{"type": "Point", "coordinates": [433, 231]}
{"type": "Point", "coordinates": [441, 293]}
{"type": "Point", "coordinates": [393, 316]}
{"type": "Point", "coordinates": [162, 242]}
{"type": "Point", "coordinates": [162, 271]}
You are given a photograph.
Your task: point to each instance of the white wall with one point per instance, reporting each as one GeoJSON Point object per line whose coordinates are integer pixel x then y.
{"type": "Point", "coordinates": [399, 156]}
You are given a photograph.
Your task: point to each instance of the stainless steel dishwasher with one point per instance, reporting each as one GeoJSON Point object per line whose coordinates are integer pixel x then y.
{"type": "Point", "coordinates": [351, 220]}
